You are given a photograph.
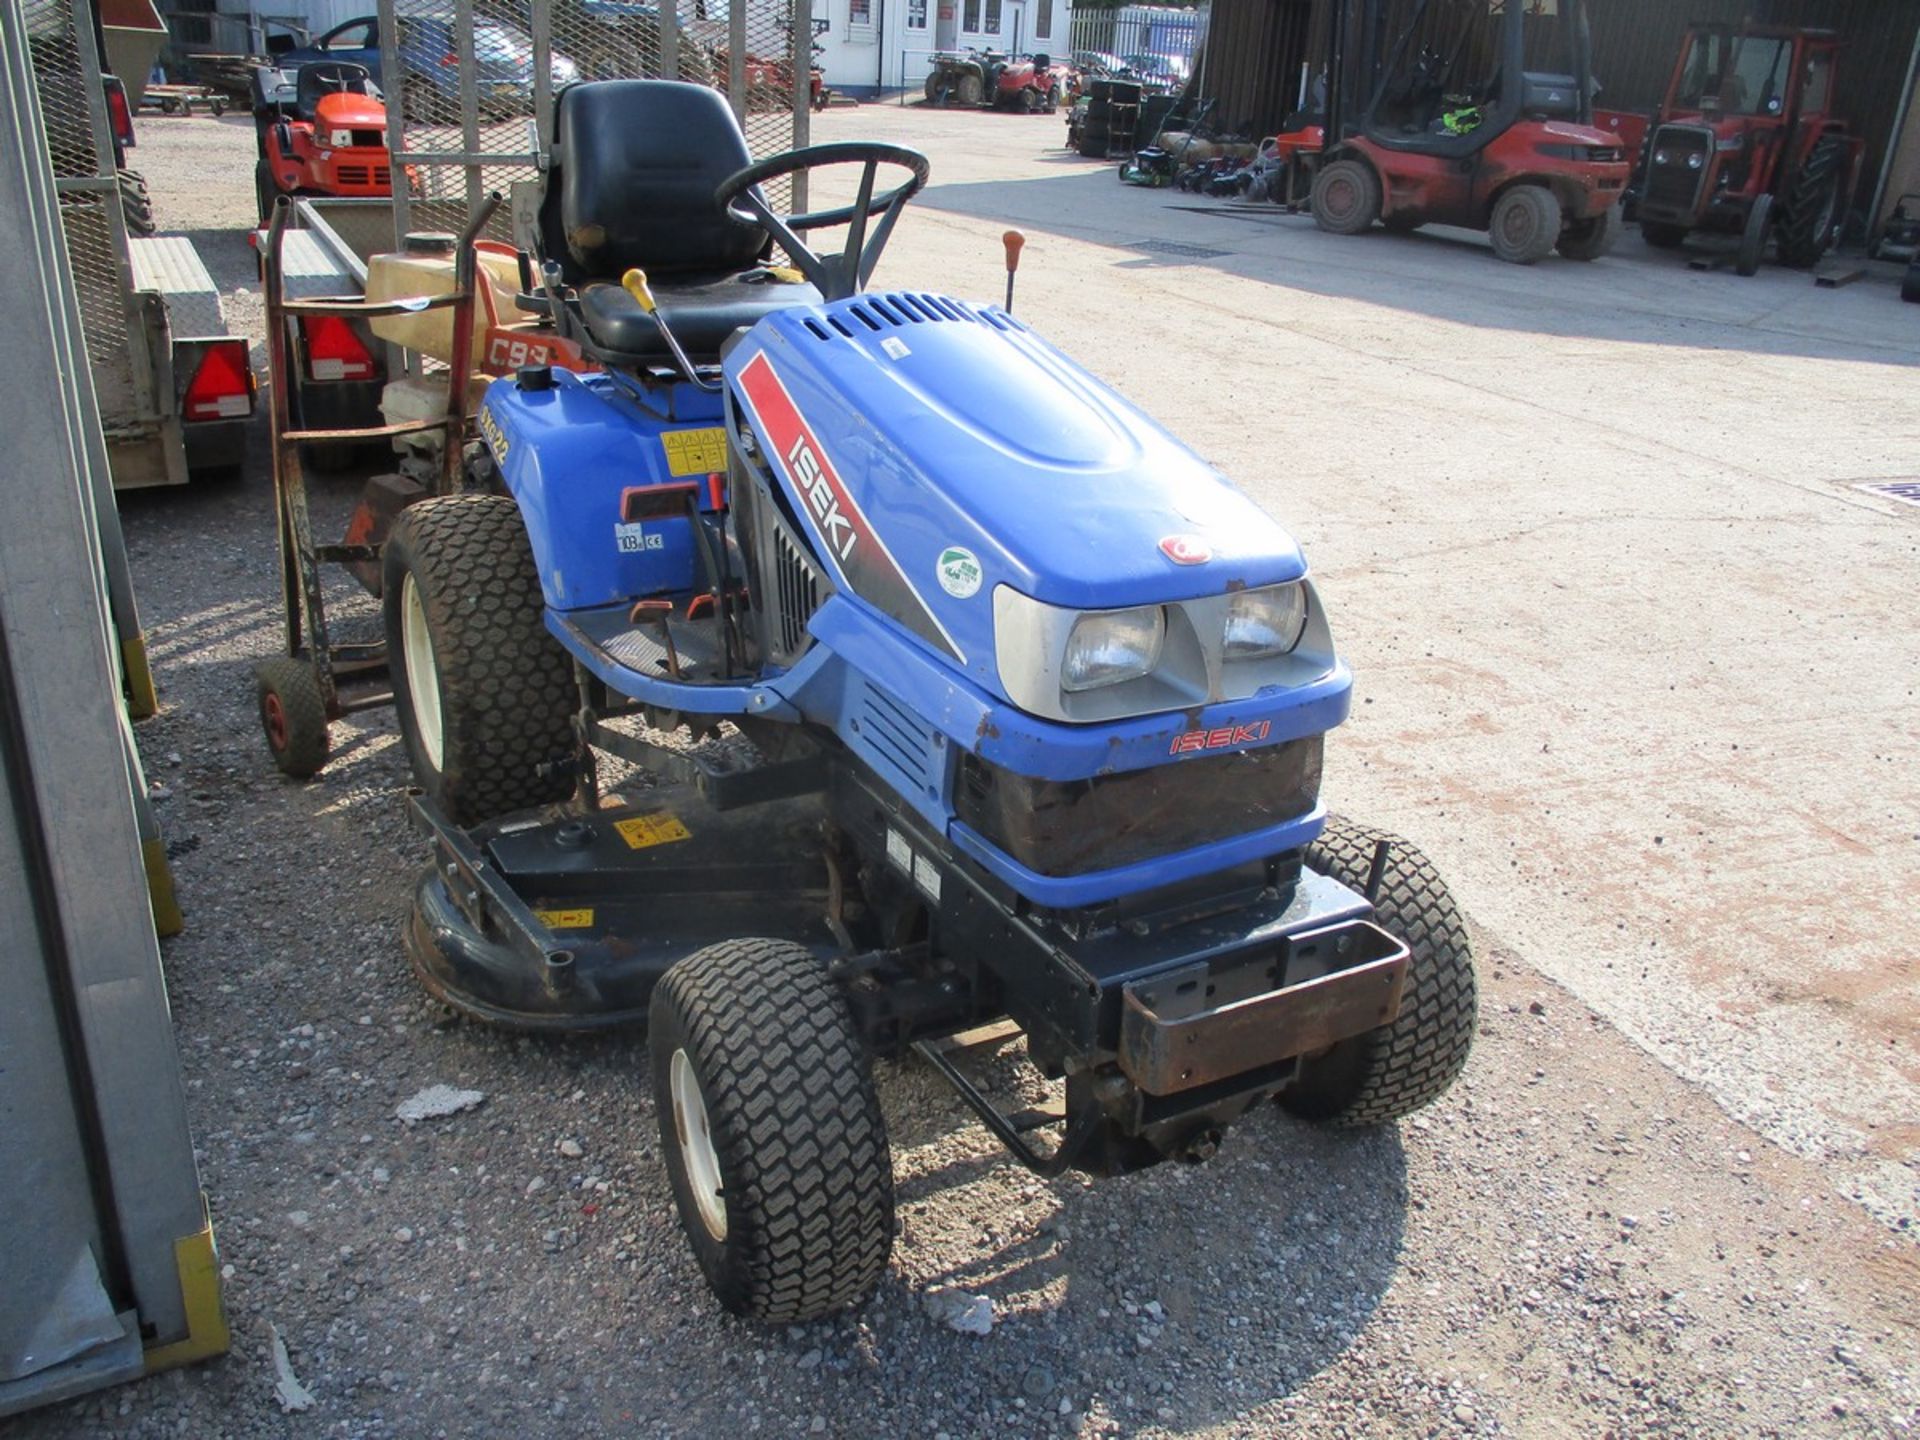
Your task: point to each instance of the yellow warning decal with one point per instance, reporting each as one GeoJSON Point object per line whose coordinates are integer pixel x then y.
{"type": "Point", "coordinates": [695, 452]}
{"type": "Point", "coordinates": [565, 919]}
{"type": "Point", "coordinates": [643, 830]}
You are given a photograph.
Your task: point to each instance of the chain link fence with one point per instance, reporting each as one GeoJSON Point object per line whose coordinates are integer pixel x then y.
{"type": "Point", "coordinates": [66, 72]}
{"type": "Point", "coordinates": [470, 84]}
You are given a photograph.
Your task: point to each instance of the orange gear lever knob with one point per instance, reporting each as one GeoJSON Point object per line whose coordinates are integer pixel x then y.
{"type": "Point", "coordinates": [1013, 240]}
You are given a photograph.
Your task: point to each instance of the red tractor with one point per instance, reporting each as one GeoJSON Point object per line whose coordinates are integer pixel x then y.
{"type": "Point", "coordinates": [1033, 85]}
{"type": "Point", "coordinates": [321, 131]}
{"type": "Point", "coordinates": [1460, 126]}
{"type": "Point", "coordinates": [1747, 144]}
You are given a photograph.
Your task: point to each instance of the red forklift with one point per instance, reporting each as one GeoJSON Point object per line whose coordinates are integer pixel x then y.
{"type": "Point", "coordinates": [1473, 113]}
{"type": "Point", "coordinates": [1747, 144]}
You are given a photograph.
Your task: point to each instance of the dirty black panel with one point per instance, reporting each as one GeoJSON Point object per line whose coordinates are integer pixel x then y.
{"type": "Point", "coordinates": [1075, 827]}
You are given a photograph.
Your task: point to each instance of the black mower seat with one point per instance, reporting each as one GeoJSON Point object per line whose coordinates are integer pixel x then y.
{"type": "Point", "coordinates": [634, 167]}
{"type": "Point", "coordinates": [702, 312]}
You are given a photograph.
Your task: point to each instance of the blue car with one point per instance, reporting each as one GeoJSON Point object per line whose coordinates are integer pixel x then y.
{"type": "Point", "coordinates": [429, 52]}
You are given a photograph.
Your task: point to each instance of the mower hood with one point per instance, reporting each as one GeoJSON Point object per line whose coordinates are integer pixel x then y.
{"type": "Point", "coordinates": [350, 112]}
{"type": "Point", "coordinates": [939, 450]}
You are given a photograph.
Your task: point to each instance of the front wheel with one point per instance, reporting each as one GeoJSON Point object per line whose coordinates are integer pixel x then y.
{"type": "Point", "coordinates": [1590, 239]}
{"type": "Point", "coordinates": [484, 694]}
{"type": "Point", "coordinates": [774, 1141]}
{"type": "Point", "coordinates": [1395, 1070]}
{"type": "Point", "coordinates": [969, 91]}
{"type": "Point", "coordinates": [1525, 225]}
{"type": "Point", "coordinates": [1346, 197]}
{"type": "Point", "coordinates": [1753, 237]}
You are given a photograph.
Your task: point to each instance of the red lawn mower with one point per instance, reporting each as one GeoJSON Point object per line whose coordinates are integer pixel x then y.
{"type": "Point", "coordinates": [322, 131]}
{"type": "Point", "coordinates": [1033, 85]}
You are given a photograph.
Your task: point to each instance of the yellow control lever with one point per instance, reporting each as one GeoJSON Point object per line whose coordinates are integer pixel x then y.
{"type": "Point", "coordinates": [634, 282]}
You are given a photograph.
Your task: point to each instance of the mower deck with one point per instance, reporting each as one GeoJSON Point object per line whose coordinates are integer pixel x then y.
{"type": "Point", "coordinates": [548, 922]}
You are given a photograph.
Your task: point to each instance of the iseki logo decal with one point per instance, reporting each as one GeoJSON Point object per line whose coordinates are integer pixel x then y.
{"type": "Point", "coordinates": [1226, 737]}
{"type": "Point", "coordinates": [1186, 549]}
{"type": "Point", "coordinates": [835, 528]}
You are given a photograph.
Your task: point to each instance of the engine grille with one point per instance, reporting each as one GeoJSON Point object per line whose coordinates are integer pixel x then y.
{"type": "Point", "coordinates": [363, 175]}
{"type": "Point", "coordinates": [1674, 188]}
{"type": "Point", "coordinates": [1076, 827]}
{"type": "Point", "coordinates": [797, 592]}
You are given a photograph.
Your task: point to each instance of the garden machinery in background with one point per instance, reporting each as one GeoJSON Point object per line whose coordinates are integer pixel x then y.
{"type": "Point", "coordinates": [929, 775]}
{"type": "Point", "coordinates": [1032, 85]}
{"type": "Point", "coordinates": [963, 77]}
{"type": "Point", "coordinates": [1747, 143]}
{"type": "Point", "coordinates": [1445, 112]}
{"type": "Point", "coordinates": [321, 129]}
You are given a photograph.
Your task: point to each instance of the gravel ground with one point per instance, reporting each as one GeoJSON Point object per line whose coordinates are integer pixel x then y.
{"type": "Point", "coordinates": [1573, 1242]}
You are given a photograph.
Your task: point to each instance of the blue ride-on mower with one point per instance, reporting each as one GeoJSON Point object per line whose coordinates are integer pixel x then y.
{"type": "Point", "coordinates": [1023, 702]}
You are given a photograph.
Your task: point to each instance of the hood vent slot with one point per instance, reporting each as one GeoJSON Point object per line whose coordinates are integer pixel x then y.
{"type": "Point", "coordinates": [899, 309]}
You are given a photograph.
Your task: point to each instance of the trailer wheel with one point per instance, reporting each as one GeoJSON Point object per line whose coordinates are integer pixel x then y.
{"type": "Point", "coordinates": [1662, 237]}
{"type": "Point", "coordinates": [969, 90]}
{"type": "Point", "coordinates": [485, 695]}
{"type": "Point", "coordinates": [136, 203]}
{"type": "Point", "coordinates": [1393, 1071]}
{"type": "Point", "coordinates": [1809, 210]}
{"type": "Point", "coordinates": [1346, 197]}
{"type": "Point", "coordinates": [773, 1137]}
{"type": "Point", "coordinates": [1525, 225]}
{"type": "Point", "coordinates": [293, 714]}
{"type": "Point", "coordinates": [1590, 239]}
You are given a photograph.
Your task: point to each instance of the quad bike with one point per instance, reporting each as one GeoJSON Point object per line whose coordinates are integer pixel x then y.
{"type": "Point", "coordinates": [1019, 765]}
{"type": "Point", "coordinates": [963, 78]}
{"type": "Point", "coordinates": [321, 130]}
{"type": "Point", "coordinates": [1747, 144]}
{"type": "Point", "coordinates": [1032, 86]}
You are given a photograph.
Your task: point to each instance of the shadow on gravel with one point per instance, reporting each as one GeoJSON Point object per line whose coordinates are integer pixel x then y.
{"type": "Point", "coordinates": [1635, 295]}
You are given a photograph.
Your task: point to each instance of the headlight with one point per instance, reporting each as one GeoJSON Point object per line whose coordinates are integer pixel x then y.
{"type": "Point", "coordinates": [342, 139]}
{"type": "Point", "coordinates": [1695, 160]}
{"type": "Point", "coordinates": [1107, 647]}
{"type": "Point", "coordinates": [1661, 157]}
{"type": "Point", "coordinates": [1265, 622]}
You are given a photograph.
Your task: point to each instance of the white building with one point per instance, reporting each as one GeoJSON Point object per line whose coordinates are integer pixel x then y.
{"type": "Point", "coordinates": [869, 44]}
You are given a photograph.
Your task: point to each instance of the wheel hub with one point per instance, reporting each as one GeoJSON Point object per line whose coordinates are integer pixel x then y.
{"type": "Point", "coordinates": [275, 714]}
{"type": "Point", "coordinates": [697, 1155]}
{"type": "Point", "coordinates": [423, 678]}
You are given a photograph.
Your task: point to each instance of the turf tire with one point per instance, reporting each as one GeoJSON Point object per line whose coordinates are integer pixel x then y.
{"type": "Point", "coordinates": [505, 688]}
{"type": "Point", "coordinates": [293, 715]}
{"type": "Point", "coordinates": [136, 204]}
{"type": "Point", "coordinates": [1395, 1070]}
{"type": "Point", "coordinates": [806, 1175]}
{"type": "Point", "coordinates": [1525, 225]}
{"type": "Point", "coordinates": [1346, 197]}
{"type": "Point", "coordinates": [1807, 215]}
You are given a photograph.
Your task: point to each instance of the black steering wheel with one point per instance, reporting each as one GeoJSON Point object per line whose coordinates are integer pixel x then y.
{"type": "Point", "coordinates": [835, 276]}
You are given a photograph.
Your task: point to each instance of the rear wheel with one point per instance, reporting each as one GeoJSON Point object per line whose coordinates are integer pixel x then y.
{"type": "Point", "coordinates": [1346, 197]}
{"type": "Point", "coordinates": [772, 1133]}
{"type": "Point", "coordinates": [485, 695]}
{"type": "Point", "coordinates": [969, 90]}
{"type": "Point", "coordinates": [1810, 210]}
{"type": "Point", "coordinates": [136, 204]}
{"type": "Point", "coordinates": [293, 714]}
{"type": "Point", "coordinates": [1662, 237]}
{"type": "Point", "coordinates": [1393, 1071]}
{"type": "Point", "coordinates": [1525, 225]}
{"type": "Point", "coordinates": [1590, 239]}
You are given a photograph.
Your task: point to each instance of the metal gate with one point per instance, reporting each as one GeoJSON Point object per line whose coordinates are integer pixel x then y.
{"type": "Point", "coordinates": [66, 75]}
{"type": "Point", "coordinates": [470, 84]}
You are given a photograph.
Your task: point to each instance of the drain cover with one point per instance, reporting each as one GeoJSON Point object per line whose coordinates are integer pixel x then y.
{"type": "Point", "coordinates": [1907, 490]}
{"type": "Point", "coordinates": [1174, 247]}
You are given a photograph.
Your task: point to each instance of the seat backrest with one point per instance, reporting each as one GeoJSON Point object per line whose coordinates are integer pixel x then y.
{"type": "Point", "coordinates": [634, 167]}
{"type": "Point", "coordinates": [320, 78]}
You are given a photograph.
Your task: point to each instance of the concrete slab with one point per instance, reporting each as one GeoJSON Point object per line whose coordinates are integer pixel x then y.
{"type": "Point", "coordinates": [1637, 661]}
